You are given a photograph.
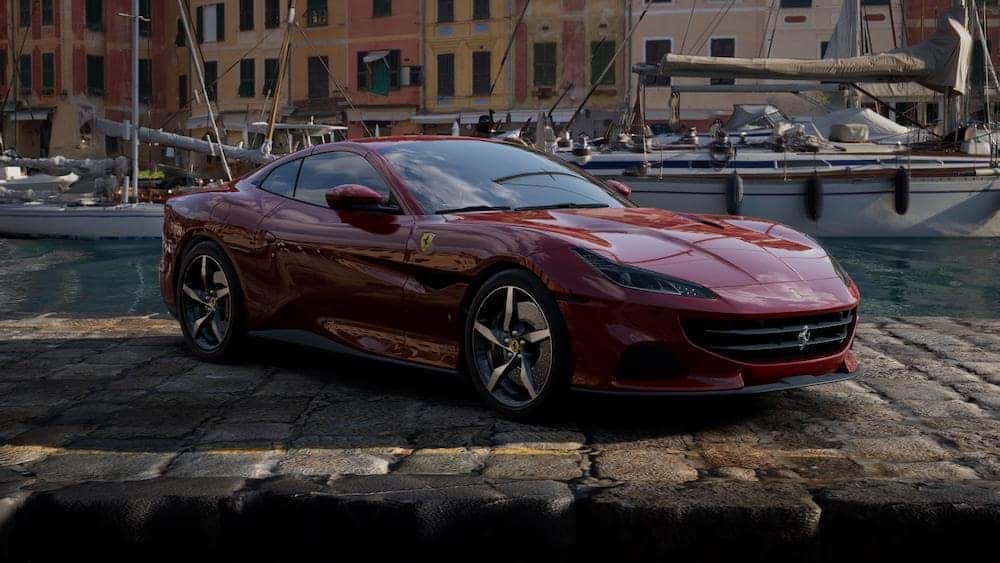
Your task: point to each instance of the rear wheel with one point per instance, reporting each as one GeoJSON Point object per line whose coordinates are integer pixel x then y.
{"type": "Point", "coordinates": [210, 303]}
{"type": "Point", "coordinates": [516, 346]}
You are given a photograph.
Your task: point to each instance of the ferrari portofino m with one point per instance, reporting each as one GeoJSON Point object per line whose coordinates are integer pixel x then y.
{"type": "Point", "coordinates": [525, 274]}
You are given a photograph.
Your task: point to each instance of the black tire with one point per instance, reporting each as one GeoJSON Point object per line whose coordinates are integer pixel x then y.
{"type": "Point", "coordinates": [555, 351]}
{"type": "Point", "coordinates": [215, 349]}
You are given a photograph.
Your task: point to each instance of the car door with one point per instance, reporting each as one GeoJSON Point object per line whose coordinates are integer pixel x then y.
{"type": "Point", "coordinates": [347, 267]}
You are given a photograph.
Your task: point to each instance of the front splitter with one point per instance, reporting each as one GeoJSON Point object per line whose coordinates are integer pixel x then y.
{"type": "Point", "coordinates": [794, 382]}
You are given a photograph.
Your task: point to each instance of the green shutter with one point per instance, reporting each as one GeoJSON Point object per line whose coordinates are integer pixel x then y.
{"type": "Point", "coordinates": [199, 25]}
{"type": "Point", "coordinates": [24, 72]}
{"type": "Point", "coordinates": [48, 71]}
{"type": "Point", "coordinates": [545, 64]}
{"type": "Point", "coordinates": [220, 22]}
{"type": "Point", "coordinates": [601, 54]}
{"type": "Point", "coordinates": [145, 81]}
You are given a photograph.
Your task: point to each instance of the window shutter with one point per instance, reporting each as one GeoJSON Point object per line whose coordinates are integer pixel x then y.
{"type": "Point", "coordinates": [362, 72]}
{"type": "Point", "coordinates": [220, 22]}
{"type": "Point", "coordinates": [200, 24]}
{"type": "Point", "coordinates": [393, 60]}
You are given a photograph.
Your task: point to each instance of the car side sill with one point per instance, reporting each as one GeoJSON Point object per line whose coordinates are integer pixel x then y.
{"type": "Point", "coordinates": [794, 382]}
{"type": "Point", "coordinates": [313, 340]}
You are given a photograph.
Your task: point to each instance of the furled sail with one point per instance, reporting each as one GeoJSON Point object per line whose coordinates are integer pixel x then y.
{"type": "Point", "coordinates": [846, 39]}
{"type": "Point", "coordinates": [940, 63]}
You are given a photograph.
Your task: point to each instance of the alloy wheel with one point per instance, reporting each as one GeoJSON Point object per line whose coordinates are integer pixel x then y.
{"type": "Point", "coordinates": [512, 346]}
{"type": "Point", "coordinates": [206, 302]}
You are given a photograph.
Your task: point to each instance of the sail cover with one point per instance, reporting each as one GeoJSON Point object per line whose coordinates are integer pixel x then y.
{"type": "Point", "coordinates": [940, 63]}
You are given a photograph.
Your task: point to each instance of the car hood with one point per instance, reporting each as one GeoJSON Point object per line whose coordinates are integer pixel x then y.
{"type": "Point", "coordinates": [714, 251]}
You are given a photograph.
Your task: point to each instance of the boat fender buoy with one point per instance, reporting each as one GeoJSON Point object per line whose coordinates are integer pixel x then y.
{"type": "Point", "coordinates": [814, 197]}
{"type": "Point", "coordinates": [734, 194]}
{"type": "Point", "coordinates": [901, 190]}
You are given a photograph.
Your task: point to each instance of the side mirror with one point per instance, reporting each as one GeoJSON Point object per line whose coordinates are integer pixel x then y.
{"type": "Point", "coordinates": [621, 187]}
{"type": "Point", "coordinates": [352, 195]}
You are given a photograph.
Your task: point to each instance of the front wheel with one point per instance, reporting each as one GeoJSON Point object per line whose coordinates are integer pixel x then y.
{"type": "Point", "coordinates": [210, 303]}
{"type": "Point", "coordinates": [516, 345]}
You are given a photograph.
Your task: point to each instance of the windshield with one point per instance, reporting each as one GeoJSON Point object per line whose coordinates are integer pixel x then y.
{"type": "Point", "coordinates": [448, 176]}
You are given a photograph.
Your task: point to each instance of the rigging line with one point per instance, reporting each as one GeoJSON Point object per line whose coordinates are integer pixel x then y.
{"type": "Point", "coordinates": [688, 27]}
{"type": "Point", "coordinates": [713, 26]}
{"type": "Point", "coordinates": [510, 43]}
{"type": "Point", "coordinates": [767, 26]}
{"type": "Point", "coordinates": [333, 77]}
{"type": "Point", "coordinates": [190, 100]}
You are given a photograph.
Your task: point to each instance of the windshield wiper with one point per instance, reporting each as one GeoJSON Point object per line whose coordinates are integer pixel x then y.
{"type": "Point", "coordinates": [566, 205]}
{"type": "Point", "coordinates": [503, 179]}
{"type": "Point", "coordinates": [473, 208]}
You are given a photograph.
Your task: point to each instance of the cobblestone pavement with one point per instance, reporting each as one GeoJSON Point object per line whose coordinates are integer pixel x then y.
{"type": "Point", "coordinates": [119, 403]}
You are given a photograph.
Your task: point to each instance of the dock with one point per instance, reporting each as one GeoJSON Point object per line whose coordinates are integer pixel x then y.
{"type": "Point", "coordinates": [114, 434]}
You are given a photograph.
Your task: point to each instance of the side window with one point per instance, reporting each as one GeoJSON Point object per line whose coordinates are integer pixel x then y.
{"type": "Point", "coordinates": [281, 180]}
{"type": "Point", "coordinates": [332, 169]}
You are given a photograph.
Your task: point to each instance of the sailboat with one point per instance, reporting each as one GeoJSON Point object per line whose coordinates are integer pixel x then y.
{"type": "Point", "coordinates": [835, 182]}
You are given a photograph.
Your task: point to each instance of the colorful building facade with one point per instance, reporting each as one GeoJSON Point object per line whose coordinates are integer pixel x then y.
{"type": "Point", "coordinates": [65, 62]}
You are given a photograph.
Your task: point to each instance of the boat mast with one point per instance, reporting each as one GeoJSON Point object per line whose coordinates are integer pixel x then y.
{"type": "Point", "coordinates": [283, 62]}
{"type": "Point", "coordinates": [192, 47]}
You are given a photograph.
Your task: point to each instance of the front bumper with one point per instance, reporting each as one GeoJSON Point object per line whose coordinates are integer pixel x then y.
{"type": "Point", "coordinates": [785, 384]}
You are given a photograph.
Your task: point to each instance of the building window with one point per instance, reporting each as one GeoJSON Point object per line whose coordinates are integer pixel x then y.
{"type": "Point", "coordinates": [378, 71]}
{"type": "Point", "coordinates": [655, 50]}
{"type": "Point", "coordinates": [212, 79]}
{"type": "Point", "coordinates": [247, 78]}
{"type": "Point", "coordinates": [601, 53]}
{"type": "Point", "coordinates": [181, 39]}
{"type": "Point", "coordinates": [481, 75]}
{"type": "Point", "coordinates": [480, 9]}
{"type": "Point", "coordinates": [446, 74]}
{"type": "Point", "coordinates": [95, 15]}
{"type": "Point", "coordinates": [211, 23]}
{"type": "Point", "coordinates": [270, 76]}
{"type": "Point", "coordinates": [25, 13]}
{"type": "Point", "coordinates": [545, 64]}
{"type": "Point", "coordinates": [446, 11]}
{"type": "Point", "coordinates": [272, 13]}
{"type": "Point", "coordinates": [95, 75]}
{"type": "Point", "coordinates": [24, 73]}
{"type": "Point", "coordinates": [246, 15]}
{"type": "Point", "coordinates": [723, 47]}
{"type": "Point", "coordinates": [319, 78]}
{"type": "Point", "coordinates": [182, 91]}
{"type": "Point", "coordinates": [796, 3]}
{"type": "Point", "coordinates": [381, 8]}
{"type": "Point", "coordinates": [145, 81]}
{"type": "Point", "coordinates": [880, 2]}
{"type": "Point", "coordinates": [316, 13]}
{"type": "Point", "coordinates": [48, 74]}
{"type": "Point", "coordinates": [48, 15]}
{"type": "Point", "coordinates": [146, 25]}
{"type": "Point", "coordinates": [3, 67]}
{"type": "Point", "coordinates": [111, 147]}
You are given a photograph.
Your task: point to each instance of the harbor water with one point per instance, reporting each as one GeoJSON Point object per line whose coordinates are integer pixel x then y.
{"type": "Point", "coordinates": [904, 277]}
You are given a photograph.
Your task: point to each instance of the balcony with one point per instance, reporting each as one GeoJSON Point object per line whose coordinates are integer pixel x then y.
{"type": "Point", "coordinates": [316, 17]}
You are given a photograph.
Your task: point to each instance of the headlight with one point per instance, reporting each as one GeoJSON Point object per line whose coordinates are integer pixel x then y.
{"type": "Point", "coordinates": [840, 271]}
{"type": "Point", "coordinates": [645, 280]}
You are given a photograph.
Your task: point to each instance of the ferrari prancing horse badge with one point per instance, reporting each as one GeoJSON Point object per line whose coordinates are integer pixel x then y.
{"type": "Point", "coordinates": [426, 240]}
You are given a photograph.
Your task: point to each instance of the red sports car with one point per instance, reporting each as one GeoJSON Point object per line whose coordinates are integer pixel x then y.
{"type": "Point", "coordinates": [526, 274]}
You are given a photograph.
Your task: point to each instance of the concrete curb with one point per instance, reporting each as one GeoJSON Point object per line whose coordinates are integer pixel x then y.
{"type": "Point", "coordinates": [450, 517]}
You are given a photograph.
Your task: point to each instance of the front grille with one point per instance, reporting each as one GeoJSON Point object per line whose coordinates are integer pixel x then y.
{"type": "Point", "coordinates": [768, 340]}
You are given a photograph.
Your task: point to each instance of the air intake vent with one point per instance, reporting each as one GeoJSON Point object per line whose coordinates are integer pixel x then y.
{"type": "Point", "coordinates": [771, 340]}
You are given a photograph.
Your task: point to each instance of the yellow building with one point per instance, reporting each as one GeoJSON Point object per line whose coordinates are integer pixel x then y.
{"type": "Point", "coordinates": [560, 46]}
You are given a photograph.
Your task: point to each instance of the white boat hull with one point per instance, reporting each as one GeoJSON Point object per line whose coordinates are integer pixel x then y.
{"type": "Point", "coordinates": [958, 206]}
{"type": "Point", "coordinates": [140, 220]}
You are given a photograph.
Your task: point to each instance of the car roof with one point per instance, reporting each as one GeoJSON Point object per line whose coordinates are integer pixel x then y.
{"type": "Point", "coordinates": [378, 143]}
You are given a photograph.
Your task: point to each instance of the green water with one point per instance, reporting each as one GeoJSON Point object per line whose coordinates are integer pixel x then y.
{"type": "Point", "coordinates": [952, 277]}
